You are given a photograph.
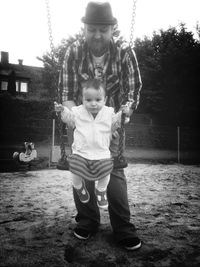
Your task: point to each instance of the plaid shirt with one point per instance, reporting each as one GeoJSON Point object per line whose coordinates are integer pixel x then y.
{"type": "Point", "coordinates": [120, 73]}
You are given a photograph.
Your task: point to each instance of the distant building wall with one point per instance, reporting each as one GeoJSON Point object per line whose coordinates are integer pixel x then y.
{"type": "Point", "coordinates": [29, 79]}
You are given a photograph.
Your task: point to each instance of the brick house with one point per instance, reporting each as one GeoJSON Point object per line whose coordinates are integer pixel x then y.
{"type": "Point", "coordinates": [28, 79]}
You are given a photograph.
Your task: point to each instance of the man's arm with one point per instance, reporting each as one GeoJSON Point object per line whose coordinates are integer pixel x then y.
{"type": "Point", "coordinates": [69, 79]}
{"type": "Point", "coordinates": [132, 79]}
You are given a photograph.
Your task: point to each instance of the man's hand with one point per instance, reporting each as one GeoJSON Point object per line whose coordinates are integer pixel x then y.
{"type": "Point", "coordinates": [58, 107]}
{"type": "Point", "coordinates": [115, 134]}
{"type": "Point", "coordinates": [127, 110]}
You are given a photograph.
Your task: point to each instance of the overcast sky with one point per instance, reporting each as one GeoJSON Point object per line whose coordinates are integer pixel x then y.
{"type": "Point", "coordinates": [24, 31]}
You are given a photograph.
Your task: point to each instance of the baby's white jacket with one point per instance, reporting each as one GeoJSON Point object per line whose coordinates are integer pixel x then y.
{"type": "Point", "coordinates": [92, 135]}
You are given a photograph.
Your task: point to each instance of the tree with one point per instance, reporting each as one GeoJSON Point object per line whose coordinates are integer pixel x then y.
{"type": "Point", "coordinates": [149, 63]}
{"type": "Point", "coordinates": [53, 65]}
{"type": "Point", "coordinates": [170, 62]}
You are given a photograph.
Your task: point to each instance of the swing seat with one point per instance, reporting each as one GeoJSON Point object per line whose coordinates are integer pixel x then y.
{"type": "Point", "coordinates": [119, 163]}
{"type": "Point", "coordinates": [63, 164]}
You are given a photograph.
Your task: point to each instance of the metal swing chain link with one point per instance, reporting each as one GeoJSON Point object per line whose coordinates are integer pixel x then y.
{"type": "Point", "coordinates": [56, 74]}
{"type": "Point", "coordinates": [130, 96]}
{"type": "Point", "coordinates": [50, 30]}
{"type": "Point", "coordinates": [132, 23]}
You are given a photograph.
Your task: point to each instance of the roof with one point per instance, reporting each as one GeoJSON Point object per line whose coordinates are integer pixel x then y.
{"type": "Point", "coordinates": [18, 74]}
{"type": "Point", "coordinates": [21, 71]}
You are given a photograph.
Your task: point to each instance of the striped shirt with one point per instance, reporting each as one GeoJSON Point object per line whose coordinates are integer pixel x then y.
{"type": "Point", "coordinates": [120, 73]}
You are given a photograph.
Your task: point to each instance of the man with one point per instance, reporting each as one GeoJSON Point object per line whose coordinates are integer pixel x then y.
{"type": "Point", "coordinates": [99, 56]}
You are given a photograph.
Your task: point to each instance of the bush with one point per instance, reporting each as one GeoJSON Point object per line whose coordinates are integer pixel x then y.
{"type": "Point", "coordinates": [24, 118]}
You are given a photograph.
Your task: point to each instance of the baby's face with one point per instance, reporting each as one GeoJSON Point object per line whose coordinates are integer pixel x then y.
{"type": "Point", "coordinates": [93, 99]}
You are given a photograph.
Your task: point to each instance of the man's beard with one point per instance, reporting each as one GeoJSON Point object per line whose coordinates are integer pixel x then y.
{"type": "Point", "coordinates": [98, 48]}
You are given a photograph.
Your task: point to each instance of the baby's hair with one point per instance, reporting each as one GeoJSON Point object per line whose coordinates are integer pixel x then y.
{"type": "Point", "coordinates": [93, 83]}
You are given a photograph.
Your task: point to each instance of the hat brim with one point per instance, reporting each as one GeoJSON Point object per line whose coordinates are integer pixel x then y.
{"type": "Point", "coordinates": [96, 22]}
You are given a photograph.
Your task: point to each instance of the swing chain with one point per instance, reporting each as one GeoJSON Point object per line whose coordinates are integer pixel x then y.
{"type": "Point", "coordinates": [57, 83]}
{"type": "Point", "coordinates": [132, 22]}
{"type": "Point", "coordinates": [120, 161]}
{"type": "Point", "coordinates": [50, 30]}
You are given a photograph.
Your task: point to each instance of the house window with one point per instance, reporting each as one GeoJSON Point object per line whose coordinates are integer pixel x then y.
{"type": "Point", "coordinates": [17, 86]}
{"type": "Point", "coordinates": [4, 85]}
{"type": "Point", "coordinates": [24, 87]}
{"type": "Point", "coordinates": [21, 87]}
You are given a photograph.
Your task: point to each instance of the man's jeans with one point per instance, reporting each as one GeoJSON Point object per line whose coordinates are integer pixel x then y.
{"type": "Point", "coordinates": [88, 216]}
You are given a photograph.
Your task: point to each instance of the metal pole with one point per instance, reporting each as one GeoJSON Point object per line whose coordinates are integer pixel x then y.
{"type": "Point", "coordinates": [53, 142]}
{"type": "Point", "coordinates": [53, 133]}
{"type": "Point", "coordinates": [178, 143]}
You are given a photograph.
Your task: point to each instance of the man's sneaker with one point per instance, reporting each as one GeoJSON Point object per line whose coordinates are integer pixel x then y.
{"type": "Point", "coordinates": [132, 243]}
{"type": "Point", "coordinates": [82, 193]}
{"type": "Point", "coordinates": [82, 234]}
{"type": "Point", "coordinates": [102, 201]}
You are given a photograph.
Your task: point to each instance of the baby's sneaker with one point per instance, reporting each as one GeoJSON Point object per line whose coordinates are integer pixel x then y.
{"type": "Point", "coordinates": [82, 193]}
{"type": "Point", "coordinates": [102, 201]}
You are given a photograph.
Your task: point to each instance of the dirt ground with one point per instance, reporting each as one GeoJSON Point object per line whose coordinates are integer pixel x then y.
{"type": "Point", "coordinates": [37, 220]}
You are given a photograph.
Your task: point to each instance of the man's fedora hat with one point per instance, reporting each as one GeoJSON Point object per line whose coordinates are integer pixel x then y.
{"type": "Point", "coordinates": [99, 14]}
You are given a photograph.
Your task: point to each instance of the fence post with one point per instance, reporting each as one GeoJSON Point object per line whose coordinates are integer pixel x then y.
{"type": "Point", "coordinates": [52, 142]}
{"type": "Point", "coordinates": [53, 133]}
{"type": "Point", "coordinates": [178, 143]}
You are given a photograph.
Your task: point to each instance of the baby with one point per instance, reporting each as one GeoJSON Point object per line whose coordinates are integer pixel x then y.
{"type": "Point", "coordinates": [93, 124]}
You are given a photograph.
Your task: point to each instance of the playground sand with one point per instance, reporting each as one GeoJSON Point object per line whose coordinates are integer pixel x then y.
{"type": "Point", "coordinates": [37, 219]}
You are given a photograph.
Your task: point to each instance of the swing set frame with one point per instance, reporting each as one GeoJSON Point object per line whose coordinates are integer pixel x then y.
{"type": "Point", "coordinates": [57, 151]}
